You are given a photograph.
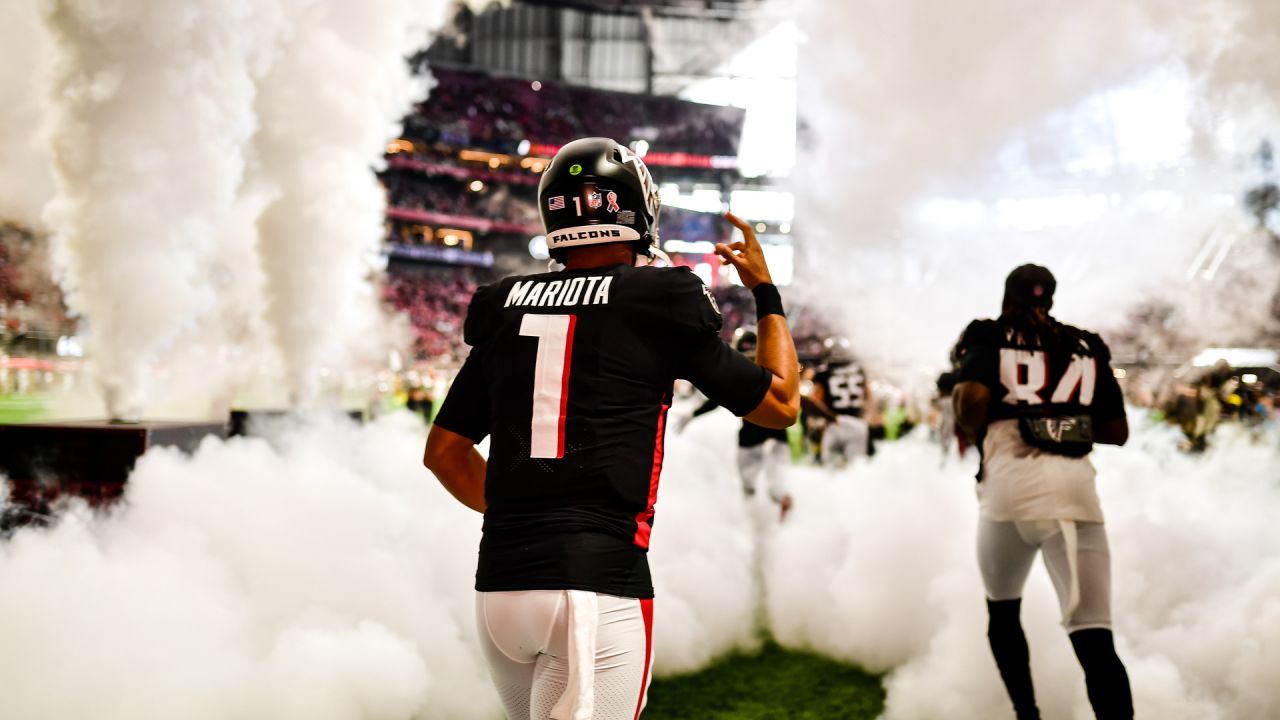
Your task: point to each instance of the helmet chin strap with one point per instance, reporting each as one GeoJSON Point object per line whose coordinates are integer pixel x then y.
{"type": "Point", "coordinates": [656, 254]}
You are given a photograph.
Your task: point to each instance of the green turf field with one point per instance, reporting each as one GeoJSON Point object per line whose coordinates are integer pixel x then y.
{"type": "Point", "coordinates": [774, 684]}
{"type": "Point", "coordinates": [21, 408]}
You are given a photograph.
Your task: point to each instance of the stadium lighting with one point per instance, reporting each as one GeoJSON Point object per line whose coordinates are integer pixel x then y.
{"type": "Point", "coordinates": [641, 147]}
{"type": "Point", "coordinates": [451, 240]}
{"type": "Point", "coordinates": [523, 147]}
{"type": "Point", "coordinates": [536, 85]}
{"type": "Point", "coordinates": [761, 227]}
{"type": "Point", "coordinates": [785, 228]}
{"type": "Point", "coordinates": [476, 185]}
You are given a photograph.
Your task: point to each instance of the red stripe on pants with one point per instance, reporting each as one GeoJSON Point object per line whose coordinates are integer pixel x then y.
{"type": "Point", "coordinates": [646, 610]}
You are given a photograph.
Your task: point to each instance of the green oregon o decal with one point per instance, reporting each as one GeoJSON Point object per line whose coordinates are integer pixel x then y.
{"type": "Point", "coordinates": [575, 169]}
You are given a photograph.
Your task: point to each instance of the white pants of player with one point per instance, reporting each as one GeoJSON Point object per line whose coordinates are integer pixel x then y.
{"type": "Point", "coordinates": [567, 654]}
{"type": "Point", "coordinates": [768, 460]}
{"type": "Point", "coordinates": [1076, 554]}
{"type": "Point", "coordinates": [846, 438]}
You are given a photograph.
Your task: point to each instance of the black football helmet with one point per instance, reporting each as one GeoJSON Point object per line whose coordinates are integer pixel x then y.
{"type": "Point", "coordinates": [837, 350]}
{"type": "Point", "coordinates": [597, 191]}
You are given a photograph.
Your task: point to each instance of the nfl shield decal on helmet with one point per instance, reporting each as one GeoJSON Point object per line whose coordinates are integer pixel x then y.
{"type": "Point", "coordinates": [594, 200]}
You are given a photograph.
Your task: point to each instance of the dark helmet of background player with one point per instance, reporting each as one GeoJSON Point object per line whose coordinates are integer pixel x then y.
{"type": "Point", "coordinates": [837, 350]}
{"type": "Point", "coordinates": [597, 191]}
{"type": "Point", "coordinates": [1029, 287]}
{"type": "Point", "coordinates": [745, 341]}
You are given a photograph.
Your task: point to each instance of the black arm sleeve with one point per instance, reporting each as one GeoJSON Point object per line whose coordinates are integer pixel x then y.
{"type": "Point", "coordinates": [976, 351]}
{"type": "Point", "coordinates": [1108, 399]}
{"type": "Point", "coordinates": [724, 375]}
{"type": "Point", "coordinates": [465, 410]}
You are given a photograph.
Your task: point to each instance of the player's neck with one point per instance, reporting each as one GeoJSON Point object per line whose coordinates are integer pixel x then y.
{"type": "Point", "coordinates": [597, 256]}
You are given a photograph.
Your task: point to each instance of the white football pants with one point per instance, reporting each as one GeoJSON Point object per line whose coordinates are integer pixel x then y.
{"type": "Point", "coordinates": [567, 654]}
{"type": "Point", "coordinates": [1076, 554]}
{"type": "Point", "coordinates": [768, 460]}
{"type": "Point", "coordinates": [846, 439]}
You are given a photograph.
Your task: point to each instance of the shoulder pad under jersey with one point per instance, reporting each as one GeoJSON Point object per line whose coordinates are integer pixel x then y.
{"type": "Point", "coordinates": [674, 297]}
{"type": "Point", "coordinates": [979, 332]}
{"type": "Point", "coordinates": [482, 312]}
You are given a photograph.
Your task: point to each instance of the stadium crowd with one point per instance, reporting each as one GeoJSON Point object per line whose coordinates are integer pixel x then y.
{"type": "Point", "coordinates": [472, 109]}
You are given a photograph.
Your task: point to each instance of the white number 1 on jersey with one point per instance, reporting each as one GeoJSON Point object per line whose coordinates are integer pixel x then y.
{"type": "Point", "coordinates": [550, 381]}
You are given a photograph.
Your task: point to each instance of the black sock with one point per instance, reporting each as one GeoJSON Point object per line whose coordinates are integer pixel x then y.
{"type": "Point", "coordinates": [1009, 646]}
{"type": "Point", "coordinates": [1104, 674]}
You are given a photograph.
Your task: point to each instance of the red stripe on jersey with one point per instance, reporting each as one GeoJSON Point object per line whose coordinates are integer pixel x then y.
{"type": "Point", "coordinates": [644, 521]}
{"type": "Point", "coordinates": [646, 610]}
{"type": "Point", "coordinates": [564, 385]}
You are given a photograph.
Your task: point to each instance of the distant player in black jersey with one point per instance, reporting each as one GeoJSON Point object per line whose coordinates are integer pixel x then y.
{"type": "Point", "coordinates": [841, 395]}
{"type": "Point", "coordinates": [570, 375]}
{"type": "Point", "coordinates": [1035, 395]}
{"type": "Point", "coordinates": [763, 453]}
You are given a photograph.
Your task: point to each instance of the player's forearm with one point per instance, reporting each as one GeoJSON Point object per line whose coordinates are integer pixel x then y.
{"type": "Point", "coordinates": [971, 402]}
{"type": "Point", "coordinates": [457, 465]}
{"type": "Point", "coordinates": [776, 353]}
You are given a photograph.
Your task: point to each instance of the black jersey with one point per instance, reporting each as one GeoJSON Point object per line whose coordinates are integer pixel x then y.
{"type": "Point", "coordinates": [750, 434]}
{"type": "Point", "coordinates": [1054, 371]}
{"type": "Point", "coordinates": [571, 375]}
{"type": "Point", "coordinates": [844, 387]}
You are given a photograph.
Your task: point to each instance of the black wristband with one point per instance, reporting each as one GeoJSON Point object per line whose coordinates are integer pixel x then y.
{"type": "Point", "coordinates": [768, 300]}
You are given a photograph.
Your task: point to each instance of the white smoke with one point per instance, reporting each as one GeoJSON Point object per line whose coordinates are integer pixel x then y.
{"type": "Point", "coordinates": [152, 108]}
{"type": "Point", "coordinates": [328, 576]}
{"type": "Point", "coordinates": [26, 180]}
{"type": "Point", "coordinates": [324, 574]}
{"type": "Point", "coordinates": [213, 158]}
{"type": "Point", "coordinates": [947, 143]}
{"type": "Point", "coordinates": [336, 90]}
{"type": "Point", "coordinates": [879, 568]}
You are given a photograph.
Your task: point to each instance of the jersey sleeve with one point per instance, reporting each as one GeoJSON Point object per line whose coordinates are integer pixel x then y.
{"type": "Point", "coordinates": [723, 374]}
{"type": "Point", "coordinates": [977, 354]}
{"type": "Point", "coordinates": [1108, 399]}
{"type": "Point", "coordinates": [466, 409]}
{"type": "Point", "coordinates": [691, 308]}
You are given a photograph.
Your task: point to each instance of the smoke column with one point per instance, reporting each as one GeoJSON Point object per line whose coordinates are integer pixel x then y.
{"type": "Point", "coordinates": [153, 107]}
{"type": "Point", "coordinates": [947, 144]}
{"type": "Point", "coordinates": [26, 180]}
{"type": "Point", "coordinates": [334, 95]}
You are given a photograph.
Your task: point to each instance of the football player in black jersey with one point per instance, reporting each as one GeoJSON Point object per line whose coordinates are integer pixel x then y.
{"type": "Point", "coordinates": [841, 395]}
{"type": "Point", "coordinates": [570, 376]}
{"type": "Point", "coordinates": [1035, 395]}
{"type": "Point", "coordinates": [762, 452]}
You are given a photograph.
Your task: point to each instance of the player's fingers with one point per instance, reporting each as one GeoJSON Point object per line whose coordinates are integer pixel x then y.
{"type": "Point", "coordinates": [748, 232]}
{"type": "Point", "coordinates": [726, 252]}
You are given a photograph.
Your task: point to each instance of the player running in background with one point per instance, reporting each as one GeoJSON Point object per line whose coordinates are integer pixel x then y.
{"type": "Point", "coordinates": [841, 396]}
{"type": "Point", "coordinates": [763, 453]}
{"type": "Point", "coordinates": [570, 375]}
{"type": "Point", "coordinates": [1035, 395]}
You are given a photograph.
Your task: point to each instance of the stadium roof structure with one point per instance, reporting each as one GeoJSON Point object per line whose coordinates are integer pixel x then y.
{"type": "Point", "coordinates": [708, 9]}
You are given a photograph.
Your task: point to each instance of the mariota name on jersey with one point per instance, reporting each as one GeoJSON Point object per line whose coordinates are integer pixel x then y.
{"type": "Point", "coordinates": [592, 290]}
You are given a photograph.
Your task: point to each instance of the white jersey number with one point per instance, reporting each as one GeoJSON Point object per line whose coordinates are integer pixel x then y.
{"type": "Point", "coordinates": [1024, 373]}
{"type": "Point", "coordinates": [846, 389]}
{"type": "Point", "coordinates": [550, 381]}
